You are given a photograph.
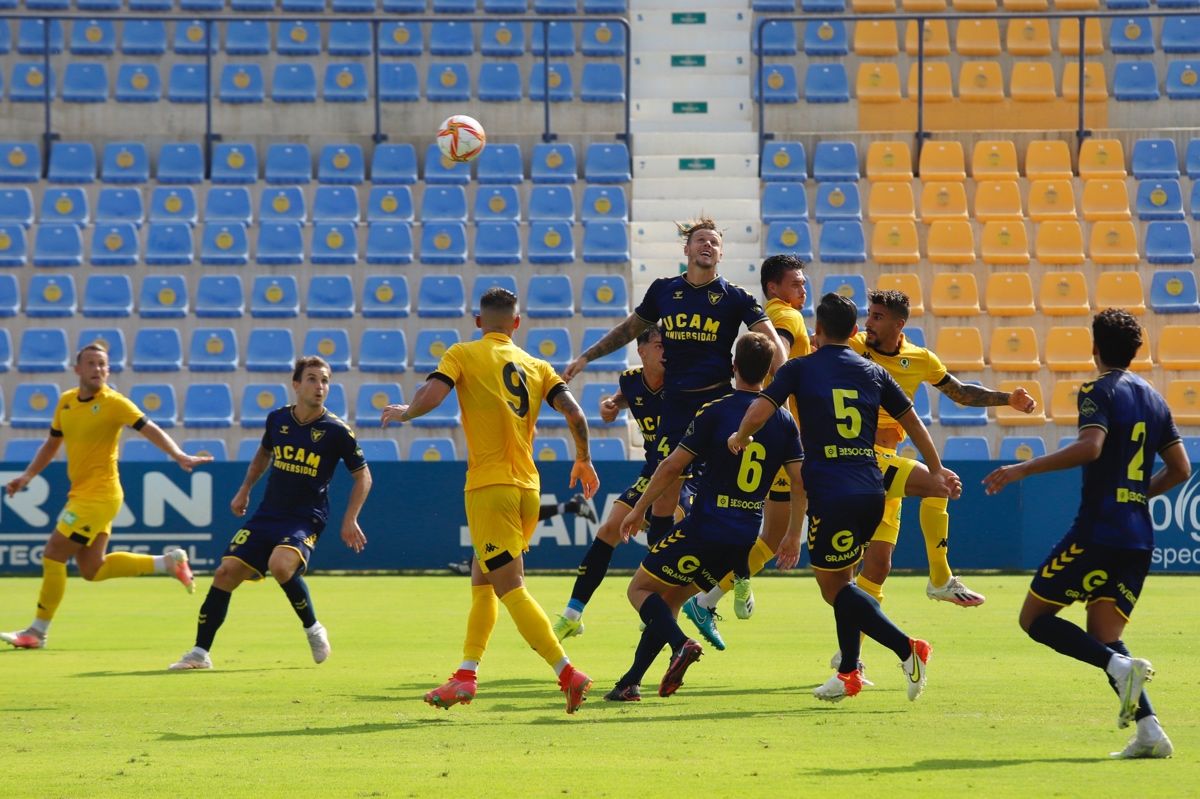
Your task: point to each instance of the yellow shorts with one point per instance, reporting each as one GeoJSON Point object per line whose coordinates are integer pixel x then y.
{"type": "Point", "coordinates": [888, 531]}
{"type": "Point", "coordinates": [896, 470]}
{"type": "Point", "coordinates": [84, 519]}
{"type": "Point", "coordinates": [501, 519]}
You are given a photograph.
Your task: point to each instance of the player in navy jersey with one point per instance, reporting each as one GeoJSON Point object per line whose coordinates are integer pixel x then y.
{"type": "Point", "coordinates": [302, 445]}
{"type": "Point", "coordinates": [701, 314]}
{"type": "Point", "coordinates": [1105, 556]}
{"type": "Point", "coordinates": [716, 537]}
{"type": "Point", "coordinates": [838, 395]}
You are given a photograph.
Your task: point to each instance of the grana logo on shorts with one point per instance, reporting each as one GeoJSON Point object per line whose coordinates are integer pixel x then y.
{"type": "Point", "coordinates": [688, 564]}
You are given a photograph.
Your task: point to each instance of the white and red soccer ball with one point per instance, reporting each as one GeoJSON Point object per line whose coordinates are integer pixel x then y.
{"type": "Point", "coordinates": [461, 138]}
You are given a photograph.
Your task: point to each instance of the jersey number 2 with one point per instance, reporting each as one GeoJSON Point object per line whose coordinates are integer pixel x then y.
{"type": "Point", "coordinates": [1135, 470]}
{"type": "Point", "coordinates": [514, 381]}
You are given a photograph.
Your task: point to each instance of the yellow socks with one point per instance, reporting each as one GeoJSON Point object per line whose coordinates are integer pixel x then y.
{"type": "Point", "coordinates": [534, 625]}
{"type": "Point", "coordinates": [760, 555]}
{"type": "Point", "coordinates": [485, 609]}
{"type": "Point", "coordinates": [54, 585]}
{"type": "Point", "coordinates": [874, 589]}
{"type": "Point", "coordinates": [935, 527]}
{"type": "Point", "coordinates": [124, 564]}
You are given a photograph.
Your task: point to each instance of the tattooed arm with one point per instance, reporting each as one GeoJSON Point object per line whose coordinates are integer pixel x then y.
{"type": "Point", "coordinates": [980, 396]}
{"type": "Point", "coordinates": [612, 341]}
{"type": "Point", "coordinates": [583, 471]}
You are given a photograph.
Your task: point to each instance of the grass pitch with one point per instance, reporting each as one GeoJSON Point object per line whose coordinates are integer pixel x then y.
{"type": "Point", "coordinates": [96, 714]}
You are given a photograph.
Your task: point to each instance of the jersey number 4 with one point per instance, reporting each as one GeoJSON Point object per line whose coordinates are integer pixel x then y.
{"type": "Point", "coordinates": [514, 381]}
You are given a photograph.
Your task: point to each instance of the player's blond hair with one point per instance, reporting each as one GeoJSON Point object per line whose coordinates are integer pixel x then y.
{"type": "Point", "coordinates": [686, 229]}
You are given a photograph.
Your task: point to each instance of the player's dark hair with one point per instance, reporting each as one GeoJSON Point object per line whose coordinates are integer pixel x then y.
{"type": "Point", "coordinates": [894, 301]}
{"type": "Point", "coordinates": [752, 355]}
{"type": "Point", "coordinates": [649, 333]}
{"type": "Point", "coordinates": [93, 346]}
{"type": "Point", "coordinates": [774, 268]}
{"type": "Point", "coordinates": [498, 298]}
{"type": "Point", "coordinates": [686, 229]}
{"type": "Point", "coordinates": [837, 316]}
{"type": "Point", "coordinates": [1117, 336]}
{"type": "Point", "coordinates": [308, 362]}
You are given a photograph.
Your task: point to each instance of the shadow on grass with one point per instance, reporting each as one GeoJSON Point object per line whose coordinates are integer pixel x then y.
{"type": "Point", "coordinates": [303, 732]}
{"type": "Point", "coordinates": [948, 764]}
{"type": "Point", "coordinates": [165, 672]}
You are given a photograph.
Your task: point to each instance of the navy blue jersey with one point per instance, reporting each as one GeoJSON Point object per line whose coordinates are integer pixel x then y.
{"type": "Point", "coordinates": [700, 325]}
{"type": "Point", "coordinates": [838, 396]}
{"type": "Point", "coordinates": [1114, 508]}
{"type": "Point", "coordinates": [730, 492]}
{"type": "Point", "coordinates": [305, 456]}
{"type": "Point", "coordinates": [646, 408]}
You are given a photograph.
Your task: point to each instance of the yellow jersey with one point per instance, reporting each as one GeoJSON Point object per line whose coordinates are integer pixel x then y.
{"type": "Point", "coordinates": [91, 430]}
{"type": "Point", "coordinates": [910, 366]}
{"type": "Point", "coordinates": [786, 318]}
{"type": "Point", "coordinates": [500, 390]}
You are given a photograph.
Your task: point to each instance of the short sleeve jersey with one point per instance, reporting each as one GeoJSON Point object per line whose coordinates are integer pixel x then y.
{"type": "Point", "coordinates": [500, 389]}
{"type": "Point", "coordinates": [91, 430]}
{"type": "Point", "coordinates": [700, 325]}
{"type": "Point", "coordinates": [730, 492]}
{"type": "Point", "coordinates": [787, 319]}
{"type": "Point", "coordinates": [305, 457]}
{"type": "Point", "coordinates": [839, 395]}
{"type": "Point", "coordinates": [646, 408]}
{"type": "Point", "coordinates": [910, 366]}
{"type": "Point", "coordinates": [1114, 507]}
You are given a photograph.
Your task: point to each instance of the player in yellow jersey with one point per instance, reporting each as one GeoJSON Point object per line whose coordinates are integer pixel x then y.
{"type": "Point", "coordinates": [500, 389]}
{"type": "Point", "coordinates": [89, 419]}
{"type": "Point", "coordinates": [910, 365]}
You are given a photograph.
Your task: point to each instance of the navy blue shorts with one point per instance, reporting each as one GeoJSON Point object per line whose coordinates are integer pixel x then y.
{"type": "Point", "coordinates": [679, 409]}
{"type": "Point", "coordinates": [254, 543]}
{"type": "Point", "coordinates": [630, 496]}
{"type": "Point", "coordinates": [1077, 571]}
{"type": "Point", "coordinates": [681, 558]}
{"type": "Point", "coordinates": [838, 530]}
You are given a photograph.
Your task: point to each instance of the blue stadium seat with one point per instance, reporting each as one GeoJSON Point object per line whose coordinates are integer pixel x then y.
{"type": "Point", "coordinates": [1131, 36]}
{"type": "Point", "coordinates": [348, 38]}
{"type": "Point", "coordinates": [241, 83]}
{"type": "Point", "coordinates": [602, 83]}
{"type": "Point", "coordinates": [451, 38]}
{"type": "Point", "coordinates": [332, 344]}
{"type": "Point", "coordinates": [335, 204]}
{"type": "Point", "coordinates": [786, 161]}
{"type": "Point", "coordinates": [966, 448]}
{"type": "Point", "coordinates": [398, 83]}
{"type": "Point", "coordinates": [1166, 4]}
{"type": "Point", "coordinates": [443, 243]}
{"type": "Point", "coordinates": [334, 243]}
{"type": "Point", "coordinates": [72, 162]}
{"type": "Point", "coordinates": [779, 84]}
{"type": "Point", "coordinates": [1169, 243]}
{"type": "Point", "coordinates": [608, 449]}
{"type": "Point", "coordinates": [185, 84]}
{"type": "Point", "coordinates": [390, 204]}
{"type": "Point", "coordinates": [157, 349]}
{"type": "Point", "coordinates": [789, 237]}
{"type": "Point", "coordinates": [445, 415]}
{"type": "Point", "coordinates": [114, 244]}
{"type": "Point", "coordinates": [29, 83]}
{"type": "Point", "coordinates": [270, 350]}
{"type": "Point", "coordinates": [161, 297]}
{"type": "Point", "coordinates": [444, 204]}
{"type": "Point", "coordinates": [57, 245]}
{"type": "Point", "coordinates": [341, 164]}
{"type": "Point", "coordinates": [1135, 81]}
{"type": "Point", "coordinates": [353, 6]}
{"type": "Point", "coordinates": [549, 297]}
{"type": "Point", "coordinates": [842, 243]}
{"type": "Point", "coordinates": [432, 449]}
{"type": "Point", "coordinates": [226, 245]}
{"type": "Point", "coordinates": [91, 37]}
{"type": "Point", "coordinates": [10, 303]}
{"type": "Point", "coordinates": [559, 35]}
{"type": "Point", "coordinates": [220, 297]}
{"type": "Point", "coordinates": [280, 244]}
{"type": "Point", "coordinates": [562, 89]}
{"type": "Point", "coordinates": [442, 170]}
{"type": "Point", "coordinates": [330, 297]}
{"type": "Point", "coordinates": [213, 447]}
{"type": "Point", "coordinates": [1021, 448]}
{"type": "Point", "coordinates": [169, 244]}
{"type": "Point", "coordinates": [605, 242]}
{"type": "Point", "coordinates": [1183, 80]}
{"type": "Point", "coordinates": [64, 206]}
{"type": "Point", "coordinates": [253, 6]}
{"type": "Point", "coordinates": [85, 83]}
{"type": "Point", "coordinates": [552, 202]}
{"type": "Point", "coordinates": [837, 202]}
{"type": "Point", "coordinates": [1192, 158]}
{"type": "Point", "coordinates": [20, 162]}
{"type": "Point", "coordinates": [497, 204]}
{"type": "Point", "coordinates": [294, 83]}
{"type": "Point", "coordinates": [505, 6]}
{"type": "Point", "coordinates": [372, 398]}
{"type": "Point", "coordinates": [274, 296]}
{"type": "Point", "coordinates": [430, 345]}
{"type": "Point", "coordinates": [399, 38]}
{"type": "Point", "coordinates": [617, 360]}
{"type": "Point", "coordinates": [1116, 5]}
{"type": "Point", "coordinates": [248, 448]}
{"type": "Point", "coordinates": [1191, 445]}
{"type": "Point", "coordinates": [107, 296]}
{"type": "Point", "coordinates": [604, 295]}
{"type": "Point", "coordinates": [551, 243]}
{"type": "Point", "coordinates": [143, 37]}
{"type": "Point", "coordinates": [213, 349]}
{"type": "Point", "coordinates": [202, 5]}
{"type": "Point", "coordinates": [1159, 200]}
{"type": "Point", "coordinates": [173, 204]}
{"type": "Point", "coordinates": [33, 406]}
{"type": "Point", "coordinates": [234, 162]}
{"type": "Point", "coordinates": [783, 201]}
{"type": "Point", "coordinates": [208, 405]}
{"type": "Point", "coordinates": [115, 205]}
{"type": "Point", "coordinates": [590, 398]}
{"type": "Point", "coordinates": [554, 6]}
{"type": "Point", "coordinates": [113, 338]}
{"type": "Point", "coordinates": [551, 344]}
{"type": "Point", "coordinates": [13, 248]}
{"type": "Point", "coordinates": [550, 448]}
{"type": "Point", "coordinates": [603, 203]}
{"type": "Point", "coordinates": [345, 82]}
{"type": "Point", "coordinates": [181, 163]}
{"type": "Point", "coordinates": [611, 7]}
{"type": "Point", "coordinates": [447, 82]}
{"type": "Point", "coordinates": [826, 83]}
{"type": "Point", "coordinates": [607, 163]}
{"type": "Point", "coordinates": [50, 295]}
{"type": "Point", "coordinates": [497, 243]}
{"type": "Point", "coordinates": [602, 39]}
{"type": "Point", "coordinates": [778, 37]}
{"type": "Point", "coordinates": [157, 401]}
{"type": "Point", "coordinates": [282, 204]}
{"type": "Point", "coordinates": [298, 38]}
{"type": "Point", "coordinates": [387, 351]}
{"type": "Point", "coordinates": [138, 83]}
{"type": "Point", "coordinates": [1180, 35]}
{"type": "Point", "coordinates": [921, 404]}
{"type": "Point", "coordinates": [1174, 292]}
{"type": "Point", "coordinates": [228, 205]}
{"type": "Point", "coordinates": [31, 36]}
{"type": "Point", "coordinates": [504, 39]}
{"type": "Point", "coordinates": [485, 282]}
{"type": "Point", "coordinates": [852, 286]}
{"type": "Point", "coordinates": [835, 160]}
{"type": "Point", "coordinates": [951, 414]}
{"type": "Point", "coordinates": [389, 244]}
{"type": "Point", "coordinates": [139, 450]}
{"type": "Point", "coordinates": [441, 296]}
{"type": "Point", "coordinates": [555, 163]}
{"type": "Point", "coordinates": [826, 38]}
{"type": "Point", "coordinates": [1155, 158]}
{"type": "Point", "coordinates": [385, 296]}
{"type": "Point", "coordinates": [379, 450]}
{"type": "Point", "coordinates": [500, 163]}
{"type": "Point", "coordinates": [190, 37]}
{"type": "Point", "coordinates": [288, 163]}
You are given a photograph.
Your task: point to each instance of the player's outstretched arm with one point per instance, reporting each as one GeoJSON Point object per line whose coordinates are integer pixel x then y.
{"type": "Point", "coordinates": [670, 470]}
{"type": "Point", "coordinates": [258, 466]}
{"type": "Point", "coordinates": [352, 534]}
{"type": "Point", "coordinates": [430, 395]}
{"type": "Point", "coordinates": [612, 341]}
{"type": "Point", "coordinates": [983, 397]}
{"type": "Point", "coordinates": [582, 471]}
{"type": "Point", "coordinates": [756, 416]}
{"type": "Point", "coordinates": [156, 436]}
{"type": "Point", "coordinates": [781, 350]}
{"type": "Point", "coordinates": [919, 434]}
{"type": "Point", "coordinates": [1084, 449]}
{"type": "Point", "coordinates": [41, 459]}
{"type": "Point", "coordinates": [787, 554]}
{"type": "Point", "coordinates": [1176, 469]}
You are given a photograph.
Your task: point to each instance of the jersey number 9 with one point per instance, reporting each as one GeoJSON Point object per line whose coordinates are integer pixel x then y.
{"type": "Point", "coordinates": [514, 381]}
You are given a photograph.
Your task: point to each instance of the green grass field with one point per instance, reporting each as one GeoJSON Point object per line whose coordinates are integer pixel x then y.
{"type": "Point", "coordinates": [97, 714]}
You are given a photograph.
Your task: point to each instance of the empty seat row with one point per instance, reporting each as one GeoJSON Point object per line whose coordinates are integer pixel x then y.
{"type": "Point", "coordinates": [1065, 349]}
{"type": "Point", "coordinates": [972, 6]}
{"type": "Point", "coordinates": [338, 6]}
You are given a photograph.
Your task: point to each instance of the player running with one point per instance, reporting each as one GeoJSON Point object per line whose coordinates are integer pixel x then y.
{"type": "Point", "coordinates": [1105, 556]}
{"type": "Point", "coordinates": [301, 445]}
{"type": "Point", "coordinates": [89, 419]}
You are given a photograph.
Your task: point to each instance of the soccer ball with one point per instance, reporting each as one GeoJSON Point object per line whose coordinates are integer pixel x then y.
{"type": "Point", "coordinates": [461, 138]}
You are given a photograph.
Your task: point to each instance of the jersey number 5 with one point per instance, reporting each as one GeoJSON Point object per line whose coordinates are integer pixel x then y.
{"type": "Point", "coordinates": [849, 418]}
{"type": "Point", "coordinates": [514, 381]}
{"type": "Point", "coordinates": [750, 473]}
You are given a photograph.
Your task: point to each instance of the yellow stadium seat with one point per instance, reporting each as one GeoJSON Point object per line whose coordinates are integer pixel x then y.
{"type": "Point", "coordinates": [1017, 6]}
{"type": "Point", "coordinates": [943, 199]}
{"type": "Point", "coordinates": [1114, 243]}
{"type": "Point", "coordinates": [1105, 199]}
{"type": "Point", "coordinates": [1068, 36]}
{"type": "Point", "coordinates": [1005, 243]}
{"type": "Point", "coordinates": [1029, 36]}
{"type": "Point", "coordinates": [891, 200]}
{"type": "Point", "coordinates": [1183, 398]}
{"type": "Point", "coordinates": [937, 85]}
{"type": "Point", "coordinates": [1064, 401]}
{"type": "Point", "coordinates": [1076, 5]}
{"type": "Point", "coordinates": [960, 348]}
{"type": "Point", "coordinates": [875, 37]}
{"type": "Point", "coordinates": [894, 241]}
{"type": "Point", "coordinates": [998, 199]}
{"type": "Point", "coordinates": [1095, 83]}
{"type": "Point", "coordinates": [1179, 347]}
{"type": "Point", "coordinates": [936, 35]}
{"type": "Point", "coordinates": [951, 241]}
{"type": "Point", "coordinates": [1064, 294]}
{"type": "Point", "coordinates": [1121, 290]}
{"type": "Point", "coordinates": [907, 282]}
{"type": "Point", "coordinates": [873, 6]}
{"type": "Point", "coordinates": [923, 5]}
{"type": "Point", "coordinates": [1059, 243]}
{"type": "Point", "coordinates": [1069, 349]}
{"type": "Point", "coordinates": [1101, 158]}
{"type": "Point", "coordinates": [1014, 349]}
{"type": "Point", "coordinates": [977, 37]}
{"type": "Point", "coordinates": [1050, 200]}
{"type": "Point", "coordinates": [1141, 361]}
{"type": "Point", "coordinates": [1048, 159]}
{"type": "Point", "coordinates": [954, 294]}
{"type": "Point", "coordinates": [889, 160]}
{"type": "Point", "coordinates": [980, 82]}
{"type": "Point", "coordinates": [975, 5]}
{"type": "Point", "coordinates": [1010, 417]}
{"type": "Point", "coordinates": [1032, 82]}
{"type": "Point", "coordinates": [942, 160]}
{"type": "Point", "coordinates": [1009, 294]}
{"type": "Point", "coordinates": [878, 82]}
{"type": "Point", "coordinates": [994, 160]}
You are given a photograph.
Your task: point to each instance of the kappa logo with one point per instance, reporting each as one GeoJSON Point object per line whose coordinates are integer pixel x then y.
{"type": "Point", "coordinates": [714, 297]}
{"type": "Point", "coordinates": [317, 435]}
{"type": "Point", "coordinates": [491, 548]}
